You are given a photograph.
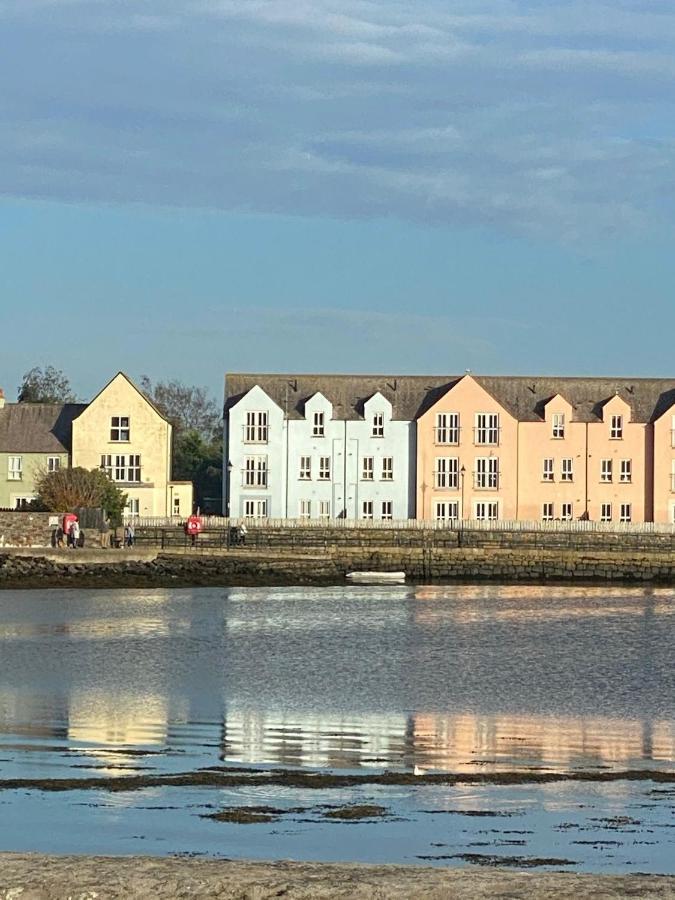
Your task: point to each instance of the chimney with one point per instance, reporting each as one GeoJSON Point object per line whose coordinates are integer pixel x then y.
{"type": "Point", "coordinates": [2, 399]}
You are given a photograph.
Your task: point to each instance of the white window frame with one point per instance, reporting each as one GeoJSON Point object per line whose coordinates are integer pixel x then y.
{"type": "Point", "coordinates": [378, 425]}
{"type": "Point", "coordinates": [368, 468]}
{"type": "Point", "coordinates": [387, 468]}
{"type": "Point", "coordinates": [486, 431]}
{"type": "Point", "coordinates": [120, 429]}
{"type": "Point", "coordinates": [15, 468]}
{"type": "Point", "coordinates": [324, 509]}
{"type": "Point", "coordinates": [626, 471]}
{"type": "Point", "coordinates": [447, 428]}
{"type": "Point", "coordinates": [256, 430]}
{"type": "Point", "coordinates": [133, 507]}
{"type": "Point", "coordinates": [566, 511]}
{"type": "Point", "coordinates": [567, 469]}
{"type": "Point", "coordinates": [606, 471]}
{"type": "Point", "coordinates": [319, 424]}
{"type": "Point", "coordinates": [387, 511]}
{"type": "Point", "coordinates": [486, 510]}
{"type": "Point", "coordinates": [304, 509]}
{"type": "Point", "coordinates": [255, 508]}
{"type": "Point", "coordinates": [547, 512]}
{"type": "Point", "coordinates": [367, 510]}
{"type": "Point", "coordinates": [605, 512]}
{"type": "Point", "coordinates": [486, 476]}
{"type": "Point", "coordinates": [255, 472]}
{"type": "Point", "coordinates": [626, 512]}
{"type": "Point", "coordinates": [446, 473]}
{"type": "Point", "coordinates": [558, 426]}
{"type": "Point", "coordinates": [616, 428]}
{"type": "Point", "coordinates": [547, 469]}
{"type": "Point", "coordinates": [53, 463]}
{"type": "Point", "coordinates": [446, 510]}
{"type": "Point", "coordinates": [324, 468]}
{"type": "Point", "coordinates": [123, 468]}
{"type": "Point", "coordinates": [305, 472]}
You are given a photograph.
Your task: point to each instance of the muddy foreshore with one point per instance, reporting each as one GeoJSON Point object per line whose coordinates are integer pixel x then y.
{"type": "Point", "coordinates": [38, 877]}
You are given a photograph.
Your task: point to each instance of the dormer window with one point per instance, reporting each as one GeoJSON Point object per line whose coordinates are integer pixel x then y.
{"type": "Point", "coordinates": [318, 428]}
{"type": "Point", "coordinates": [378, 424]}
{"type": "Point", "coordinates": [119, 428]}
{"type": "Point", "coordinates": [616, 428]}
{"type": "Point", "coordinates": [558, 429]}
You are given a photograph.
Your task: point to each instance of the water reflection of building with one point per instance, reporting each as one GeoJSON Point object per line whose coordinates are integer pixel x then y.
{"type": "Point", "coordinates": [454, 741]}
{"type": "Point", "coordinates": [31, 715]}
{"type": "Point", "coordinates": [103, 720]}
{"type": "Point", "coordinates": [460, 742]}
{"type": "Point", "coordinates": [335, 741]}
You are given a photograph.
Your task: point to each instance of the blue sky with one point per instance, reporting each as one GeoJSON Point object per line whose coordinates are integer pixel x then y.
{"type": "Point", "coordinates": [194, 186]}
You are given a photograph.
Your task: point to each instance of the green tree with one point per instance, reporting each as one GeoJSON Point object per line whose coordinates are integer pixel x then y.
{"type": "Point", "coordinates": [200, 462]}
{"type": "Point", "coordinates": [47, 385]}
{"type": "Point", "coordinates": [197, 437]}
{"type": "Point", "coordinates": [68, 489]}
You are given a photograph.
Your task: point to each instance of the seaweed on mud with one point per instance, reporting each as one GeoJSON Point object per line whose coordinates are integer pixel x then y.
{"type": "Point", "coordinates": [493, 859]}
{"type": "Point", "coordinates": [233, 777]}
{"type": "Point", "coordinates": [356, 811]}
{"type": "Point", "coordinates": [480, 813]}
{"type": "Point", "coordinates": [246, 815]}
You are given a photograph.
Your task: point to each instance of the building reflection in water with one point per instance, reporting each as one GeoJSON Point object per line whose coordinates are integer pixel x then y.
{"type": "Point", "coordinates": [461, 742]}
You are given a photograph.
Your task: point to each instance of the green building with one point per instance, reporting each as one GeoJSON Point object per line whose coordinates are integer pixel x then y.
{"type": "Point", "coordinates": [34, 437]}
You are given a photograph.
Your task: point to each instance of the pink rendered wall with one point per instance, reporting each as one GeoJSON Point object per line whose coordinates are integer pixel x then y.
{"type": "Point", "coordinates": [538, 443]}
{"type": "Point", "coordinates": [467, 398]}
{"type": "Point", "coordinates": [633, 446]}
{"type": "Point", "coordinates": [664, 481]}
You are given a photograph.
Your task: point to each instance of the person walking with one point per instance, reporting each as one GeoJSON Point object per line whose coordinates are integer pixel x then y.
{"type": "Point", "coordinates": [131, 535]}
{"type": "Point", "coordinates": [104, 533]}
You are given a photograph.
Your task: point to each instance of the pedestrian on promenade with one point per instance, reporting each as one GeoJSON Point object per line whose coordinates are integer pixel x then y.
{"type": "Point", "coordinates": [130, 535]}
{"type": "Point", "coordinates": [104, 533]}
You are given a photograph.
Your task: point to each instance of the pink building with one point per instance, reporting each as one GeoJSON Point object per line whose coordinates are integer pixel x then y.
{"type": "Point", "coordinates": [548, 449]}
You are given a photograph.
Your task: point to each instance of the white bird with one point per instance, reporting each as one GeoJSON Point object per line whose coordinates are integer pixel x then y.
{"type": "Point", "coordinates": [418, 770]}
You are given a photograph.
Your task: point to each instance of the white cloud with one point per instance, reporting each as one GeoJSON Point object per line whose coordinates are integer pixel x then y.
{"type": "Point", "coordinates": [550, 119]}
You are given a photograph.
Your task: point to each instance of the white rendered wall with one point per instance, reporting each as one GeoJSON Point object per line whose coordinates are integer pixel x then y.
{"type": "Point", "coordinates": [344, 442]}
{"type": "Point", "coordinates": [236, 451]}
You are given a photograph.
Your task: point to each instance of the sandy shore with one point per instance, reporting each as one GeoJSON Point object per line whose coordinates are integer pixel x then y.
{"type": "Point", "coordinates": [36, 877]}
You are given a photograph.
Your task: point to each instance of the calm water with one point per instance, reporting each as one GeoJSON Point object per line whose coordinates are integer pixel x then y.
{"type": "Point", "coordinates": [454, 679]}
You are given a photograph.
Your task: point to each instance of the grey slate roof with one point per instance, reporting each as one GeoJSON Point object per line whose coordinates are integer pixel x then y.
{"type": "Point", "coordinates": [411, 395]}
{"type": "Point", "coordinates": [37, 427]}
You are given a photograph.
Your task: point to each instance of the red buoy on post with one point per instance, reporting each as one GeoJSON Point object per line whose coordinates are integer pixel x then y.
{"type": "Point", "coordinates": [193, 526]}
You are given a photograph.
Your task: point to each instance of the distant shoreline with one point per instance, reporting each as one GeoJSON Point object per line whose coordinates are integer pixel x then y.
{"type": "Point", "coordinates": [54, 877]}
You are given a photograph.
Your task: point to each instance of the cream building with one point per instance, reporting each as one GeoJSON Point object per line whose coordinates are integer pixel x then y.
{"type": "Point", "coordinates": [122, 432]}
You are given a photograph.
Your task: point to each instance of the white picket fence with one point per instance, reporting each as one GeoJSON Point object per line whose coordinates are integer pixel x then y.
{"type": "Point", "coordinates": [510, 525]}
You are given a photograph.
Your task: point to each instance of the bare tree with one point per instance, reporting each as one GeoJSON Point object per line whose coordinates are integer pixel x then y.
{"type": "Point", "coordinates": [47, 385]}
{"type": "Point", "coordinates": [188, 408]}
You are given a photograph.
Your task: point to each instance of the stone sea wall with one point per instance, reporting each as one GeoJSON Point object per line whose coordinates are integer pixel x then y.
{"type": "Point", "coordinates": [25, 529]}
{"type": "Point", "coordinates": [249, 567]}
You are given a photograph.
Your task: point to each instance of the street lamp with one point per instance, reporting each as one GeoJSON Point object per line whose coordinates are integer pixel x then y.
{"type": "Point", "coordinates": [462, 473]}
{"type": "Point", "coordinates": [227, 487]}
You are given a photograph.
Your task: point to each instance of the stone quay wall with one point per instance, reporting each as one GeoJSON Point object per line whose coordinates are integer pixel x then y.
{"type": "Point", "coordinates": [315, 538]}
{"type": "Point", "coordinates": [25, 529]}
{"type": "Point", "coordinates": [119, 568]}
